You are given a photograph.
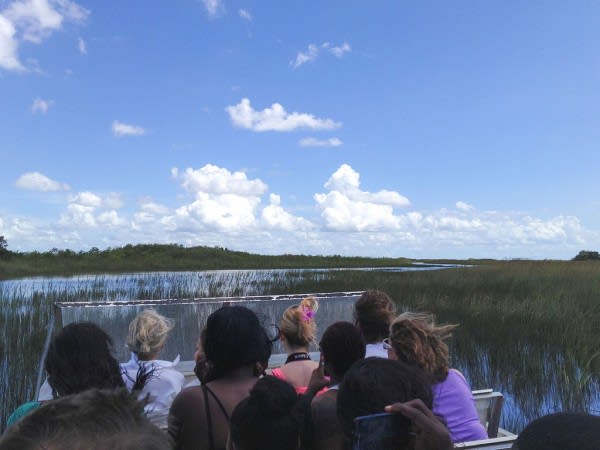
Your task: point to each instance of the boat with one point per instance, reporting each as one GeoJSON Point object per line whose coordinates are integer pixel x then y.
{"type": "Point", "coordinates": [114, 318]}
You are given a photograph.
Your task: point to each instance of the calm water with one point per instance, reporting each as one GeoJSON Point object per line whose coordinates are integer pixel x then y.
{"type": "Point", "coordinates": [534, 378]}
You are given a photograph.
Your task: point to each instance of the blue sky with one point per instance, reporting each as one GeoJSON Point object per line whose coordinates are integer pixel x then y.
{"type": "Point", "coordinates": [435, 129]}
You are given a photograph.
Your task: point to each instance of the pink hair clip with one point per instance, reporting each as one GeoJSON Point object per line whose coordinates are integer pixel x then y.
{"type": "Point", "coordinates": [307, 314]}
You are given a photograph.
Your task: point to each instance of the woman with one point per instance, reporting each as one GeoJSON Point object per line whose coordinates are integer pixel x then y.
{"type": "Point", "coordinates": [373, 313]}
{"type": "Point", "coordinates": [297, 331]}
{"type": "Point", "coordinates": [147, 336]}
{"type": "Point", "coordinates": [233, 341]}
{"type": "Point", "coordinates": [416, 340]}
{"type": "Point", "coordinates": [80, 357]}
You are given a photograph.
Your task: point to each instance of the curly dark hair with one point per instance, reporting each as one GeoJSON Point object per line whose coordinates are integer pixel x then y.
{"type": "Point", "coordinates": [342, 345]}
{"type": "Point", "coordinates": [80, 358]}
{"type": "Point", "coordinates": [416, 340]}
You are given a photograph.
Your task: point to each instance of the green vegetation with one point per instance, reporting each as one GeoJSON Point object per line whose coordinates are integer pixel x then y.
{"type": "Point", "coordinates": [586, 255]}
{"type": "Point", "coordinates": [154, 257]}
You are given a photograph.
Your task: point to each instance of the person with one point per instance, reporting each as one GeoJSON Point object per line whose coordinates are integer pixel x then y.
{"type": "Point", "coordinates": [373, 313]}
{"type": "Point", "coordinates": [297, 331]}
{"type": "Point", "coordinates": [107, 419]}
{"type": "Point", "coordinates": [233, 342]}
{"type": "Point", "coordinates": [561, 431]}
{"type": "Point", "coordinates": [266, 419]}
{"type": "Point", "coordinates": [341, 346]}
{"type": "Point", "coordinates": [374, 385]}
{"type": "Point", "coordinates": [79, 357]}
{"type": "Point", "coordinates": [148, 333]}
{"type": "Point", "coordinates": [416, 340]}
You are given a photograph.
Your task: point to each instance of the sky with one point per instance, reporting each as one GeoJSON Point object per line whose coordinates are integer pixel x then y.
{"type": "Point", "coordinates": [419, 129]}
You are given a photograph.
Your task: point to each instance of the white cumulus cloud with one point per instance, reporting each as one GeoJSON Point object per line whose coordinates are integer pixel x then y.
{"type": "Point", "coordinates": [245, 14]}
{"type": "Point", "coordinates": [82, 46]}
{"type": "Point", "coordinates": [464, 206]}
{"type": "Point", "coordinates": [277, 218]}
{"type": "Point", "coordinates": [339, 51]}
{"type": "Point", "coordinates": [212, 179]}
{"type": "Point", "coordinates": [313, 51]}
{"type": "Point", "coordinates": [314, 142]}
{"type": "Point", "coordinates": [89, 210]}
{"type": "Point", "coordinates": [36, 181]}
{"type": "Point", "coordinates": [213, 7]}
{"type": "Point", "coordinates": [9, 58]}
{"type": "Point", "coordinates": [120, 129]}
{"type": "Point", "coordinates": [275, 118]}
{"type": "Point", "coordinates": [41, 105]}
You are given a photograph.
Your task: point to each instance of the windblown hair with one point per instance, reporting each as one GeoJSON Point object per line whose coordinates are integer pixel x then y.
{"type": "Point", "coordinates": [265, 420]}
{"type": "Point", "coordinates": [80, 358]}
{"type": "Point", "coordinates": [148, 333]}
{"type": "Point", "coordinates": [234, 338]}
{"type": "Point", "coordinates": [298, 323]}
{"type": "Point", "coordinates": [94, 419]}
{"type": "Point", "coordinates": [418, 341]}
{"type": "Point", "coordinates": [373, 383]}
{"type": "Point", "coordinates": [373, 313]}
{"type": "Point", "coordinates": [342, 345]}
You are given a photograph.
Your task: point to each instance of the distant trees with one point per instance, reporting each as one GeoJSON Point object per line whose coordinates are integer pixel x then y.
{"type": "Point", "coordinates": [4, 251]}
{"type": "Point", "coordinates": [586, 255]}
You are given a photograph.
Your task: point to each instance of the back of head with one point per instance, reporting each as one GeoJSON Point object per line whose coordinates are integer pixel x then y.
{"type": "Point", "coordinates": [233, 338]}
{"type": "Point", "coordinates": [148, 333]}
{"type": "Point", "coordinates": [373, 313]}
{"type": "Point", "coordinates": [416, 340]}
{"type": "Point", "coordinates": [98, 419]}
{"type": "Point", "coordinates": [342, 345]}
{"type": "Point", "coordinates": [80, 358]}
{"type": "Point", "coordinates": [298, 324]}
{"type": "Point", "coordinates": [265, 420]}
{"type": "Point", "coordinates": [373, 383]}
{"type": "Point", "coordinates": [561, 431]}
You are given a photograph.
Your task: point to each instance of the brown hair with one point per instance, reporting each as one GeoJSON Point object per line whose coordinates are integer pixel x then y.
{"type": "Point", "coordinates": [417, 340]}
{"type": "Point", "coordinates": [373, 313]}
{"type": "Point", "coordinates": [298, 324]}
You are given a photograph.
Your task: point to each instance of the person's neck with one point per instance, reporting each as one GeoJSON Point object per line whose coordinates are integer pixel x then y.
{"type": "Point", "coordinates": [241, 373]}
{"type": "Point", "coordinates": [291, 349]}
{"type": "Point", "coordinates": [151, 357]}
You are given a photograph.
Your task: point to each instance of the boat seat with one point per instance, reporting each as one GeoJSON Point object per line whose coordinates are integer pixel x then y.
{"type": "Point", "coordinates": [489, 407]}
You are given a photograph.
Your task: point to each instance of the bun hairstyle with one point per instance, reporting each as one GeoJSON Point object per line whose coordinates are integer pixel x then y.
{"type": "Point", "coordinates": [148, 333]}
{"type": "Point", "coordinates": [418, 341]}
{"type": "Point", "coordinates": [373, 314]}
{"type": "Point", "coordinates": [298, 323]}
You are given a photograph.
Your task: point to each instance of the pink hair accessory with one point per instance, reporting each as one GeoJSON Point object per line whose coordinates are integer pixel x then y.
{"type": "Point", "coordinates": [307, 314]}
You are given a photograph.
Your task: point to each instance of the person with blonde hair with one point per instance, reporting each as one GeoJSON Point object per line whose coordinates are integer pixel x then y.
{"type": "Point", "coordinates": [297, 331]}
{"type": "Point", "coordinates": [416, 340]}
{"type": "Point", "coordinates": [148, 333]}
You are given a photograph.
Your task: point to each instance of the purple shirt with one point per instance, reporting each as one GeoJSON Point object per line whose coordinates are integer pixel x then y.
{"type": "Point", "coordinates": [453, 400]}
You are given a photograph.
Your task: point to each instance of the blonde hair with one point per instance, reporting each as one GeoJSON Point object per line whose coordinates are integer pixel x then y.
{"type": "Point", "coordinates": [148, 333]}
{"type": "Point", "coordinates": [298, 323]}
{"type": "Point", "coordinates": [417, 340]}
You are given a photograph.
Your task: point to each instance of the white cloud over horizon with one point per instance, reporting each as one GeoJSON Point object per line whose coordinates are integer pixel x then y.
{"type": "Point", "coordinates": [33, 21]}
{"type": "Point", "coordinates": [41, 105]}
{"type": "Point", "coordinates": [121, 129]}
{"type": "Point", "coordinates": [313, 51]}
{"type": "Point", "coordinates": [228, 208]}
{"type": "Point", "coordinates": [314, 142]}
{"type": "Point", "coordinates": [275, 118]}
{"type": "Point", "coordinates": [36, 181]}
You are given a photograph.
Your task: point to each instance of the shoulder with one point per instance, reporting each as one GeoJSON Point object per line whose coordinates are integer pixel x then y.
{"type": "Point", "coordinates": [278, 373]}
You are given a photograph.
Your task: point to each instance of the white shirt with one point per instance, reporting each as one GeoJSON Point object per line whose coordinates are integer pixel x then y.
{"type": "Point", "coordinates": [164, 384]}
{"type": "Point", "coordinates": [376, 349]}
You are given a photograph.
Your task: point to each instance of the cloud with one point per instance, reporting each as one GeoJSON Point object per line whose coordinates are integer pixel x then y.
{"type": "Point", "coordinates": [313, 51]}
{"type": "Point", "coordinates": [310, 55]}
{"type": "Point", "coordinates": [33, 21]}
{"type": "Point", "coordinates": [245, 14]}
{"type": "Point", "coordinates": [339, 51]}
{"type": "Point", "coordinates": [9, 58]}
{"type": "Point", "coordinates": [314, 142]}
{"type": "Point", "coordinates": [40, 105]}
{"type": "Point", "coordinates": [276, 218]}
{"type": "Point", "coordinates": [464, 206]}
{"type": "Point", "coordinates": [120, 129]}
{"type": "Point", "coordinates": [213, 7]}
{"type": "Point", "coordinates": [81, 45]}
{"type": "Point", "coordinates": [212, 179]}
{"type": "Point", "coordinates": [275, 118]}
{"type": "Point", "coordinates": [90, 210]}
{"type": "Point", "coordinates": [347, 208]}
{"type": "Point", "coordinates": [35, 181]}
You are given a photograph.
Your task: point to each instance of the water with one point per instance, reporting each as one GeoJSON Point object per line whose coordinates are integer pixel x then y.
{"type": "Point", "coordinates": [535, 376]}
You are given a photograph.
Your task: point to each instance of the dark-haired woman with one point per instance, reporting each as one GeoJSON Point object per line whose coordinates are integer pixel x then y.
{"type": "Point", "coordinates": [233, 342]}
{"type": "Point", "coordinates": [373, 313]}
{"type": "Point", "coordinates": [80, 357]}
